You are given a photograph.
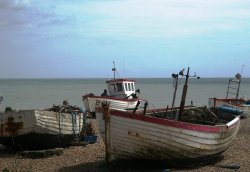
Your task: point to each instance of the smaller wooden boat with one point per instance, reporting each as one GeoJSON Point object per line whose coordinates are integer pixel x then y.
{"type": "Point", "coordinates": [40, 129]}
{"type": "Point", "coordinates": [235, 103]}
{"type": "Point", "coordinates": [120, 94]}
{"type": "Point", "coordinates": [156, 134]}
{"type": "Point", "coordinates": [177, 134]}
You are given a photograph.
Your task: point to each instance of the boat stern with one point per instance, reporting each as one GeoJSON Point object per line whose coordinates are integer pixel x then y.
{"type": "Point", "coordinates": [89, 102]}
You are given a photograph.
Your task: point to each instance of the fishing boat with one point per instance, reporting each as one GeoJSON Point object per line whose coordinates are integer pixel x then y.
{"type": "Point", "coordinates": [120, 94]}
{"type": "Point", "coordinates": [40, 129]}
{"type": "Point", "coordinates": [235, 104]}
{"type": "Point", "coordinates": [175, 134]}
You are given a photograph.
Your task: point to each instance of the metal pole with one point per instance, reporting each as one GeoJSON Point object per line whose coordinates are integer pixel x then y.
{"type": "Point", "coordinates": [114, 69]}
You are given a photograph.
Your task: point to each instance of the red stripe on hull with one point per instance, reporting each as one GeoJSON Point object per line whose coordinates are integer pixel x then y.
{"type": "Point", "coordinates": [176, 124]}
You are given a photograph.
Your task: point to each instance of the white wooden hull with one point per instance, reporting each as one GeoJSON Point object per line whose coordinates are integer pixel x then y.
{"type": "Point", "coordinates": [37, 125]}
{"type": "Point", "coordinates": [214, 102]}
{"type": "Point", "coordinates": [134, 136]}
{"type": "Point", "coordinates": [54, 122]}
{"type": "Point", "coordinates": [90, 103]}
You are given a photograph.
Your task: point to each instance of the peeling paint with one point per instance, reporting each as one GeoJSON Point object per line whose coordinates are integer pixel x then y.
{"type": "Point", "coordinates": [11, 126]}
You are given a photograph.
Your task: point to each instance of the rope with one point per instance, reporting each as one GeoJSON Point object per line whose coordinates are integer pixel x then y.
{"type": "Point", "coordinates": [73, 115]}
{"type": "Point", "coordinates": [60, 132]}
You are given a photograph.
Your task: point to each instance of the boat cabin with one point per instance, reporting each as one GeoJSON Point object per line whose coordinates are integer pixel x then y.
{"type": "Point", "coordinates": [121, 88]}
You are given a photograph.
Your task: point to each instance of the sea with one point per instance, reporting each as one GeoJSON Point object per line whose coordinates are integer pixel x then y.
{"type": "Point", "coordinates": [21, 94]}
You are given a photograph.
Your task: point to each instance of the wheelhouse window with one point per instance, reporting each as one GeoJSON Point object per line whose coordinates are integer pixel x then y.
{"type": "Point", "coordinates": [126, 86]}
{"type": "Point", "coordinates": [129, 87]}
{"type": "Point", "coordinates": [119, 87]}
{"type": "Point", "coordinates": [132, 87]}
{"type": "Point", "coordinates": [112, 88]}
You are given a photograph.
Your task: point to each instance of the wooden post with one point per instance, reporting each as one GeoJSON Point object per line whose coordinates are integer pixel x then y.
{"type": "Point", "coordinates": [166, 112]}
{"type": "Point", "coordinates": [136, 106]}
{"type": "Point", "coordinates": [175, 89]}
{"type": "Point", "coordinates": [183, 97]}
{"type": "Point", "coordinates": [105, 111]}
{"type": "Point", "coordinates": [145, 107]}
{"type": "Point", "coordinates": [238, 89]}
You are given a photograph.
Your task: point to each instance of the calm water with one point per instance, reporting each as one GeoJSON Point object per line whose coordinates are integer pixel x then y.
{"type": "Point", "coordinates": [43, 93]}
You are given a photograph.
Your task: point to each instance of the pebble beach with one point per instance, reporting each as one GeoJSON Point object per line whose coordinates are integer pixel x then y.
{"type": "Point", "coordinates": [91, 157]}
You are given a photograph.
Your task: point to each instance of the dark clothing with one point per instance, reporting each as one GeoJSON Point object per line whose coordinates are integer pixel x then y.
{"type": "Point", "coordinates": [105, 93]}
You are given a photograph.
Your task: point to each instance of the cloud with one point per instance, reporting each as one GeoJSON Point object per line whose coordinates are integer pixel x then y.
{"type": "Point", "coordinates": [14, 4]}
{"type": "Point", "coordinates": [126, 19]}
{"type": "Point", "coordinates": [173, 18]}
{"type": "Point", "coordinates": [28, 14]}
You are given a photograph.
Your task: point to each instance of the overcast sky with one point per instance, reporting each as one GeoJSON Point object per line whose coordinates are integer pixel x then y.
{"type": "Point", "coordinates": [146, 38]}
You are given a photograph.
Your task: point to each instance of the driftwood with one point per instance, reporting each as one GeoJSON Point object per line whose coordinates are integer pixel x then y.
{"type": "Point", "coordinates": [33, 154]}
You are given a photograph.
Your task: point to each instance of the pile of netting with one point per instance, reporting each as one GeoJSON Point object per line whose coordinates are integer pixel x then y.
{"type": "Point", "coordinates": [65, 108]}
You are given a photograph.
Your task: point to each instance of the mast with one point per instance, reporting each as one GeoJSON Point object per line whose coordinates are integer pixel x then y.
{"type": "Point", "coordinates": [175, 76]}
{"type": "Point", "coordinates": [239, 77]}
{"type": "Point", "coordinates": [184, 92]}
{"type": "Point", "coordinates": [175, 88]}
{"type": "Point", "coordinates": [238, 89]}
{"type": "Point", "coordinates": [183, 97]}
{"type": "Point", "coordinates": [114, 69]}
{"type": "Point", "coordinates": [231, 89]}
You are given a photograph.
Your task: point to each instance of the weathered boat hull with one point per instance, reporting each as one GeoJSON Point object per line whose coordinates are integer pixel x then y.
{"type": "Point", "coordinates": [238, 104]}
{"type": "Point", "coordinates": [38, 129]}
{"type": "Point", "coordinates": [135, 136]}
{"type": "Point", "coordinates": [91, 102]}
{"type": "Point", "coordinates": [37, 141]}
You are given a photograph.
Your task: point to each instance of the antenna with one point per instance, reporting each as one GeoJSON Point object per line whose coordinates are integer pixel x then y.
{"type": "Point", "coordinates": [123, 67]}
{"type": "Point", "coordinates": [242, 69]}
